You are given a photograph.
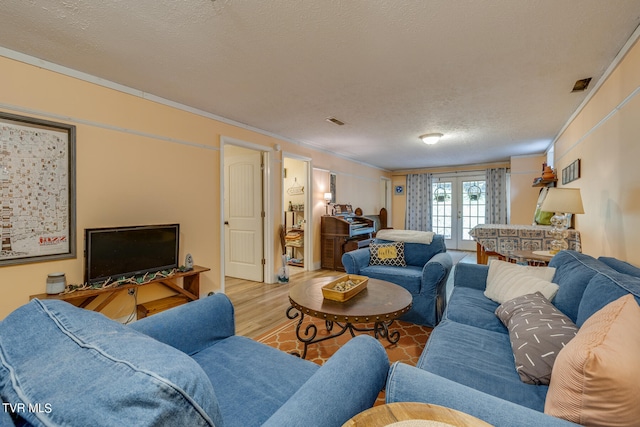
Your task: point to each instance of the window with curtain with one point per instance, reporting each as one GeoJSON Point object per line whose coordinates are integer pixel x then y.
{"type": "Point", "coordinates": [497, 205]}
{"type": "Point", "coordinates": [418, 216]}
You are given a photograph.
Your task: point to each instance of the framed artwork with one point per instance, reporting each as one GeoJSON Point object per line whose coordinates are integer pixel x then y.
{"type": "Point", "coordinates": [37, 181]}
{"type": "Point", "coordinates": [571, 172]}
{"type": "Point", "coordinates": [332, 186]}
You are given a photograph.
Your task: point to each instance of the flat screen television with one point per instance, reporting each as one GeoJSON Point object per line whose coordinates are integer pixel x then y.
{"type": "Point", "coordinates": [116, 252]}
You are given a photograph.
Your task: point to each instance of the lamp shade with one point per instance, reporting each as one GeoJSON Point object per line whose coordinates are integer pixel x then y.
{"type": "Point", "coordinates": [327, 196]}
{"type": "Point", "coordinates": [563, 200]}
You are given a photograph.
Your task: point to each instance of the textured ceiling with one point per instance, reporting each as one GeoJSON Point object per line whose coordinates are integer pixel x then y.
{"type": "Point", "coordinates": [493, 76]}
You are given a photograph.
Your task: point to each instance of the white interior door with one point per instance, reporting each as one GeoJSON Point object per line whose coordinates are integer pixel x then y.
{"type": "Point", "coordinates": [458, 205]}
{"type": "Point", "coordinates": [243, 217]}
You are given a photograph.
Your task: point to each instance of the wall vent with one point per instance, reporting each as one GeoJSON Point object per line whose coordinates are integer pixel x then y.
{"type": "Point", "coordinates": [581, 85]}
{"type": "Point", "coordinates": [335, 121]}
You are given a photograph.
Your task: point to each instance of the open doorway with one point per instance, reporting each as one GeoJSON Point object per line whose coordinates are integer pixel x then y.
{"type": "Point", "coordinates": [296, 200]}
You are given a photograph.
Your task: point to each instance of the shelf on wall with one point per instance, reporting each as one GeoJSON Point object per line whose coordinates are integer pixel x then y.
{"type": "Point", "coordinates": [539, 182]}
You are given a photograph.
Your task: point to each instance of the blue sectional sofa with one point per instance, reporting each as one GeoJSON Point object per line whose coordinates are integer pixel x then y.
{"type": "Point", "coordinates": [468, 363]}
{"type": "Point", "coordinates": [62, 365]}
{"type": "Point", "coordinates": [425, 276]}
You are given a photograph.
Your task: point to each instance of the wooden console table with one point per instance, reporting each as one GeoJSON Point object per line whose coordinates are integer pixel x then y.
{"type": "Point", "coordinates": [190, 289]}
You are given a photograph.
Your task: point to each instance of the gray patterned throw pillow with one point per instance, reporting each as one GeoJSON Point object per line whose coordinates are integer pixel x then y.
{"type": "Point", "coordinates": [538, 331]}
{"type": "Point", "coordinates": [391, 254]}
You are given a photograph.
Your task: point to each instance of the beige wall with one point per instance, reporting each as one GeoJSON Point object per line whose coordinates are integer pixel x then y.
{"type": "Point", "coordinates": [398, 202]}
{"type": "Point", "coordinates": [605, 136]}
{"type": "Point", "coordinates": [139, 162]}
{"type": "Point", "coordinates": [523, 197]}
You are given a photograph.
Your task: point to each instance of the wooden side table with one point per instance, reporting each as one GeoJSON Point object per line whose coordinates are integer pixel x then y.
{"type": "Point", "coordinates": [421, 415]}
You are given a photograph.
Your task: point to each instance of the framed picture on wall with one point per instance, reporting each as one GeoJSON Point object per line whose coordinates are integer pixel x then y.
{"type": "Point", "coordinates": [332, 186]}
{"type": "Point", "coordinates": [571, 172]}
{"type": "Point", "coordinates": [37, 181]}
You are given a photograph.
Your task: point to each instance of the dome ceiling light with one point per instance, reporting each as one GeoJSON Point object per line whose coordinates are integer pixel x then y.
{"type": "Point", "coordinates": [430, 138]}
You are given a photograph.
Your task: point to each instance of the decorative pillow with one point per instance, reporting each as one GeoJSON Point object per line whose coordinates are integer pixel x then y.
{"type": "Point", "coordinates": [538, 331]}
{"type": "Point", "coordinates": [596, 379]}
{"type": "Point", "coordinates": [506, 281]}
{"type": "Point", "coordinates": [387, 254]}
{"type": "Point", "coordinates": [78, 366]}
{"type": "Point", "coordinates": [543, 217]}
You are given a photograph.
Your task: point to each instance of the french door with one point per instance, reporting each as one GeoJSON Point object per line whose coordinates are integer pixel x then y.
{"type": "Point", "coordinates": [458, 205]}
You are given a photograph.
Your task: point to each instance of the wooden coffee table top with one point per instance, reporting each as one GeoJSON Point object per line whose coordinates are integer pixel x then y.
{"type": "Point", "coordinates": [422, 414]}
{"type": "Point", "coordinates": [380, 301]}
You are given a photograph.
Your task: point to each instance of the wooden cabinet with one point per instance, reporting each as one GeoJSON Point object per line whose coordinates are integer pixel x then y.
{"type": "Point", "coordinates": [342, 234]}
{"type": "Point", "coordinates": [332, 250]}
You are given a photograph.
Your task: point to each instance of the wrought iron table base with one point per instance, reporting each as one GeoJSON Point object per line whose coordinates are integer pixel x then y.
{"type": "Point", "coordinates": [307, 335]}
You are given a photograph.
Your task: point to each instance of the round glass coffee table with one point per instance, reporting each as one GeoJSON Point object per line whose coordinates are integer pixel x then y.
{"type": "Point", "coordinates": [379, 303]}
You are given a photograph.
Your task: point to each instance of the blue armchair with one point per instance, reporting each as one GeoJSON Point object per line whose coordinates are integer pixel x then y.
{"type": "Point", "coordinates": [425, 276]}
{"type": "Point", "coordinates": [63, 365]}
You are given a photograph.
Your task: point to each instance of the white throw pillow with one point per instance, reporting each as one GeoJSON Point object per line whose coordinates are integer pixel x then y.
{"type": "Point", "coordinates": [506, 281]}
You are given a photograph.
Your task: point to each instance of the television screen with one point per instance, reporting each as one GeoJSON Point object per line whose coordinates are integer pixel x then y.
{"type": "Point", "coordinates": [130, 251]}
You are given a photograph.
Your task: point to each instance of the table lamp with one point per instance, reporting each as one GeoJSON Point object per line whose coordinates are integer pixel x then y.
{"type": "Point", "coordinates": [327, 198]}
{"type": "Point", "coordinates": [561, 201]}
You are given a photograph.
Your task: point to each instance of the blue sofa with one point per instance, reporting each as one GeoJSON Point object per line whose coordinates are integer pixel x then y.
{"type": "Point", "coordinates": [62, 365]}
{"type": "Point", "coordinates": [425, 276]}
{"type": "Point", "coordinates": [468, 363]}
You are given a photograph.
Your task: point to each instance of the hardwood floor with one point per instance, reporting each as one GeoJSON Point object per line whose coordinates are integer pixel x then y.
{"type": "Point", "coordinates": [259, 306]}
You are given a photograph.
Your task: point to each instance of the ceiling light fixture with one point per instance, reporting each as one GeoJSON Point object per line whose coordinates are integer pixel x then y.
{"type": "Point", "coordinates": [430, 138]}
